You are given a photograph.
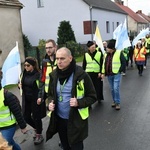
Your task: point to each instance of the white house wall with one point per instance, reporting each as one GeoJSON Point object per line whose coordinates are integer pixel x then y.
{"type": "Point", "coordinates": [107, 16]}
{"type": "Point", "coordinates": [42, 23]}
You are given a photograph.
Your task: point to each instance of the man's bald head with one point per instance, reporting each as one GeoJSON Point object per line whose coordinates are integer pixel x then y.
{"type": "Point", "coordinates": [63, 58]}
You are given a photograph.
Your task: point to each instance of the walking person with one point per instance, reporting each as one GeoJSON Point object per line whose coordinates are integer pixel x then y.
{"type": "Point", "coordinates": [71, 93]}
{"type": "Point", "coordinates": [147, 46]}
{"type": "Point", "coordinates": [10, 116]}
{"type": "Point", "coordinates": [125, 52]}
{"type": "Point", "coordinates": [113, 64]}
{"type": "Point", "coordinates": [92, 64]}
{"type": "Point", "coordinates": [48, 65]}
{"type": "Point", "coordinates": [105, 45]}
{"type": "Point", "coordinates": [139, 57]}
{"type": "Point", "coordinates": [33, 112]}
{"type": "Point", "coordinates": [131, 49]}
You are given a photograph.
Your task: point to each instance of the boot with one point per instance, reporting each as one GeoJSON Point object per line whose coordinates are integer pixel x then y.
{"type": "Point", "coordinates": [39, 139]}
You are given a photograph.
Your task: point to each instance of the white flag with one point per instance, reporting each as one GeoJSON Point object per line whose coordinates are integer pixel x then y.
{"type": "Point", "coordinates": [98, 39]}
{"type": "Point", "coordinates": [12, 67]}
{"type": "Point", "coordinates": [117, 31]}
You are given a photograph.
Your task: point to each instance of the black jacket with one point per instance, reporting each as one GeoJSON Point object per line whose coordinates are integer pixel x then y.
{"type": "Point", "coordinates": [77, 128]}
{"type": "Point", "coordinates": [14, 105]}
{"type": "Point", "coordinates": [31, 89]}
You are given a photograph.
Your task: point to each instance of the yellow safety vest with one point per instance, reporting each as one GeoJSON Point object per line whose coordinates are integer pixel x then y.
{"type": "Point", "coordinates": [84, 112]}
{"type": "Point", "coordinates": [6, 117]}
{"type": "Point", "coordinates": [147, 40]}
{"type": "Point", "coordinates": [115, 62]}
{"type": "Point", "coordinates": [92, 65]}
{"type": "Point", "coordinates": [49, 69]}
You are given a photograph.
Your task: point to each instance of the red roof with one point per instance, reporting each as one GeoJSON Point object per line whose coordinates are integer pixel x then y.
{"type": "Point", "coordinates": [139, 12]}
{"type": "Point", "coordinates": [132, 14]}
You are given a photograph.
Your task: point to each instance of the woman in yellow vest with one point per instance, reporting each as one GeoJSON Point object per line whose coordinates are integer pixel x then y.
{"type": "Point", "coordinates": [139, 57]}
{"type": "Point", "coordinates": [10, 116]}
{"type": "Point", "coordinates": [33, 113]}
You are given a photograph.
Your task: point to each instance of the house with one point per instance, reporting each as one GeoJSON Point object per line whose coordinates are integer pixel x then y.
{"type": "Point", "coordinates": [135, 22]}
{"type": "Point", "coordinates": [10, 28]}
{"type": "Point", "coordinates": [139, 12]}
{"type": "Point", "coordinates": [41, 19]}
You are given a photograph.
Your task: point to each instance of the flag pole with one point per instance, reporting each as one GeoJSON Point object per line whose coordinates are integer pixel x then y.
{"type": "Point", "coordinates": [20, 88]}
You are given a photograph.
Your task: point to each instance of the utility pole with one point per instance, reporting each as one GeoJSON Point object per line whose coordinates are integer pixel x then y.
{"type": "Point", "coordinates": [91, 19]}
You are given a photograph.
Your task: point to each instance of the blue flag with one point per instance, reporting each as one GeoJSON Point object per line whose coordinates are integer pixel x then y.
{"type": "Point", "coordinates": [122, 40]}
{"type": "Point", "coordinates": [11, 67]}
{"type": "Point", "coordinates": [141, 35]}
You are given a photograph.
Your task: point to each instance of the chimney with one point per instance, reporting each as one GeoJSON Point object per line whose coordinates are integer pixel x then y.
{"type": "Point", "coordinates": [139, 12]}
{"type": "Point", "coordinates": [118, 1]}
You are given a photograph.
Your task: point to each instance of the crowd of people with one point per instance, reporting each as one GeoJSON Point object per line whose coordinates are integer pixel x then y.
{"type": "Point", "coordinates": [67, 91]}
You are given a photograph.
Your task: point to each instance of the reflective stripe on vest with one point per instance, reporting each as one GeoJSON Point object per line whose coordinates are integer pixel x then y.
{"type": "Point", "coordinates": [92, 65]}
{"type": "Point", "coordinates": [115, 62]}
{"type": "Point", "coordinates": [49, 69]}
{"type": "Point", "coordinates": [37, 83]}
{"type": "Point", "coordinates": [139, 54]}
{"type": "Point", "coordinates": [84, 112]}
{"type": "Point", "coordinates": [6, 117]}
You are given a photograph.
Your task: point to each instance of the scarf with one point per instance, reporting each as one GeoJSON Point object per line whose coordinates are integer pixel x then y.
{"type": "Point", "coordinates": [63, 75]}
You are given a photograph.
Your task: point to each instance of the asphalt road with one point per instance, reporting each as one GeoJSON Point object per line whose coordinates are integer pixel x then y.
{"type": "Point", "coordinates": [127, 129]}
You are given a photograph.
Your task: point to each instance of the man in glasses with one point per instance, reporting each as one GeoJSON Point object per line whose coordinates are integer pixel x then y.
{"type": "Point", "coordinates": [48, 65]}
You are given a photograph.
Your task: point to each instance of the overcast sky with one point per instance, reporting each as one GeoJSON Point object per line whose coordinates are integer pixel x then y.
{"type": "Point", "coordinates": [136, 5]}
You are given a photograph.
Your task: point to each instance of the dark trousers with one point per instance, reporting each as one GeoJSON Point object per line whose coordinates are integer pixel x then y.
{"type": "Point", "coordinates": [98, 84]}
{"type": "Point", "coordinates": [145, 59]}
{"type": "Point", "coordinates": [130, 58]}
{"type": "Point", "coordinates": [32, 115]}
{"type": "Point", "coordinates": [140, 68]}
{"type": "Point", "coordinates": [62, 131]}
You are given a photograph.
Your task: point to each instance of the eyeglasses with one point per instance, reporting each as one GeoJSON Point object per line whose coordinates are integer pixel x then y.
{"type": "Point", "coordinates": [27, 65]}
{"type": "Point", "coordinates": [48, 47]}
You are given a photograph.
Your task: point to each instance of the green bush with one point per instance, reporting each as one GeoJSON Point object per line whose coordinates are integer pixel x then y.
{"type": "Point", "coordinates": [65, 33]}
{"type": "Point", "coordinates": [27, 45]}
{"type": "Point", "coordinates": [75, 48]}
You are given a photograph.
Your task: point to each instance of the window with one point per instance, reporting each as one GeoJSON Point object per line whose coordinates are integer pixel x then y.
{"type": "Point", "coordinates": [113, 26]}
{"type": "Point", "coordinates": [40, 3]}
{"type": "Point", "coordinates": [107, 27]}
{"type": "Point", "coordinates": [117, 24]}
{"type": "Point", "coordinates": [87, 27]}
